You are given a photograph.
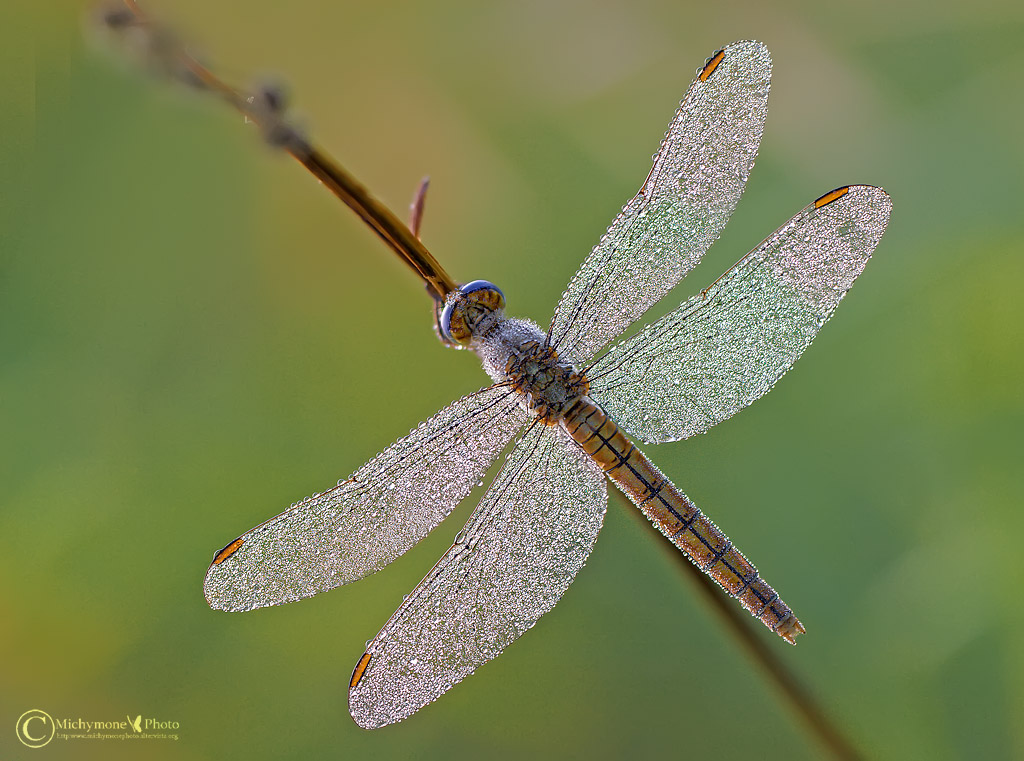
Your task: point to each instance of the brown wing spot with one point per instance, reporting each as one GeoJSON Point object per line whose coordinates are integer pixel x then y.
{"type": "Point", "coordinates": [828, 198]}
{"type": "Point", "coordinates": [711, 65]}
{"type": "Point", "coordinates": [357, 675]}
{"type": "Point", "coordinates": [228, 551]}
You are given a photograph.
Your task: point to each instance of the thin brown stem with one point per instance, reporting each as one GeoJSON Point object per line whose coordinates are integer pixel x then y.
{"type": "Point", "coordinates": [797, 696]}
{"type": "Point", "coordinates": [381, 220]}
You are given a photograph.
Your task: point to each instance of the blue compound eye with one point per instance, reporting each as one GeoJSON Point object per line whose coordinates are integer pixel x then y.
{"type": "Point", "coordinates": [467, 307]}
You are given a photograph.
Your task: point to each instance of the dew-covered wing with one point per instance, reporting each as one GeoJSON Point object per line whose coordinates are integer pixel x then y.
{"type": "Point", "coordinates": [729, 344]}
{"type": "Point", "coordinates": [697, 178]}
{"type": "Point", "coordinates": [520, 550]}
{"type": "Point", "coordinates": [367, 521]}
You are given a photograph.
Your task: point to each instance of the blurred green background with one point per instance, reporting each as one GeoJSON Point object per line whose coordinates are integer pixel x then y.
{"type": "Point", "coordinates": [193, 335]}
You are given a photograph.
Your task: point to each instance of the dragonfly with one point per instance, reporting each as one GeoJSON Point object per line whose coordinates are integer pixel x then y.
{"type": "Point", "coordinates": [575, 401]}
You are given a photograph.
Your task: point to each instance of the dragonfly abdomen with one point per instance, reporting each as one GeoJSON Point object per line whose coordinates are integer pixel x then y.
{"type": "Point", "coordinates": [677, 517]}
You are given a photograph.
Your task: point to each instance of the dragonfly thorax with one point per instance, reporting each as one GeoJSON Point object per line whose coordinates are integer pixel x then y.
{"type": "Point", "coordinates": [515, 352]}
{"type": "Point", "coordinates": [550, 384]}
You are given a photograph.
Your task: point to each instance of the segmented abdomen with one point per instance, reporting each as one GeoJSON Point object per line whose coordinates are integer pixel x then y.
{"type": "Point", "coordinates": [677, 517]}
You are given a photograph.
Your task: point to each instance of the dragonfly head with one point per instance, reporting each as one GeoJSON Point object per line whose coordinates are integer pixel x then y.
{"type": "Point", "coordinates": [467, 307]}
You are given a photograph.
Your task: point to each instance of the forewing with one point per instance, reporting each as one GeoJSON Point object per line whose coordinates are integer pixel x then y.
{"type": "Point", "coordinates": [698, 176]}
{"type": "Point", "coordinates": [530, 535]}
{"type": "Point", "coordinates": [367, 521]}
{"type": "Point", "coordinates": [729, 344]}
